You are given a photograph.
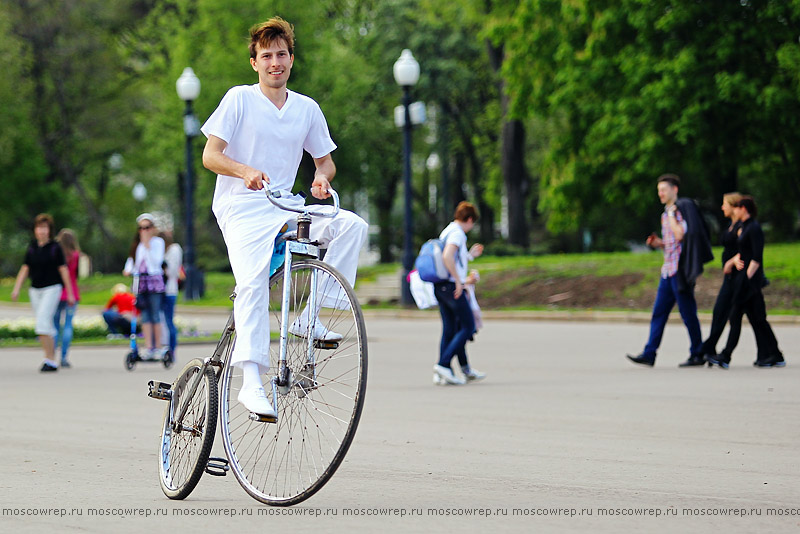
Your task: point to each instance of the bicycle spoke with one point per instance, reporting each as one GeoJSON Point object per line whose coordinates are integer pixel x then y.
{"type": "Point", "coordinates": [184, 453]}
{"type": "Point", "coordinates": [318, 410]}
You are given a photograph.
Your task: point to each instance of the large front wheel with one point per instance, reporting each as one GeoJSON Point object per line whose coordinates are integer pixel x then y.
{"type": "Point", "coordinates": [186, 443]}
{"type": "Point", "coordinates": [319, 404]}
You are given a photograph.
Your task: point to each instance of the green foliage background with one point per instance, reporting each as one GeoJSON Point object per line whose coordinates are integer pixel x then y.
{"type": "Point", "coordinates": [610, 95]}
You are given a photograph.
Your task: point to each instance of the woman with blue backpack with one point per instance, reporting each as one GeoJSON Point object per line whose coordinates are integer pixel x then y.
{"type": "Point", "coordinates": [458, 322]}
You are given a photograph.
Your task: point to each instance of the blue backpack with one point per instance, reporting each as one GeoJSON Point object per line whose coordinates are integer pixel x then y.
{"type": "Point", "coordinates": [430, 264]}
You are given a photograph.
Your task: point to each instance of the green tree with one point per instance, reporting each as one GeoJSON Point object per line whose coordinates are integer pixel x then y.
{"type": "Point", "coordinates": [66, 111]}
{"type": "Point", "coordinates": [636, 88]}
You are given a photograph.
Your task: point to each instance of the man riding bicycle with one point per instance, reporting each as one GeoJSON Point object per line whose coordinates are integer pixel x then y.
{"type": "Point", "coordinates": [256, 136]}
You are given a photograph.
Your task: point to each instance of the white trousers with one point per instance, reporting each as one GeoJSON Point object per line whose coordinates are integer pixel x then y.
{"type": "Point", "coordinates": [45, 302]}
{"type": "Point", "coordinates": [249, 228]}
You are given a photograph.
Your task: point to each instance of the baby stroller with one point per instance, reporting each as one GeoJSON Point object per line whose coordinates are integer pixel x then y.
{"type": "Point", "coordinates": [163, 354]}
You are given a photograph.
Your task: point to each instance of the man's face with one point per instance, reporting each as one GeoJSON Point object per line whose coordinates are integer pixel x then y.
{"type": "Point", "coordinates": [667, 193]}
{"type": "Point", "coordinates": [273, 64]}
{"type": "Point", "coordinates": [42, 232]}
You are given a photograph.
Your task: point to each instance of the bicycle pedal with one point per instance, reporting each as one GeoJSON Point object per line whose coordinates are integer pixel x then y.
{"type": "Point", "coordinates": [263, 418]}
{"type": "Point", "coordinates": [159, 390]}
{"type": "Point", "coordinates": [325, 345]}
{"type": "Point", "coordinates": [217, 467]}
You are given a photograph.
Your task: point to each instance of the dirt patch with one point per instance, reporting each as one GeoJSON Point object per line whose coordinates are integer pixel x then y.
{"type": "Point", "coordinates": [624, 291]}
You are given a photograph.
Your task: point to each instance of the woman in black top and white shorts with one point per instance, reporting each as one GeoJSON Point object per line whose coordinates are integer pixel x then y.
{"type": "Point", "coordinates": [44, 263]}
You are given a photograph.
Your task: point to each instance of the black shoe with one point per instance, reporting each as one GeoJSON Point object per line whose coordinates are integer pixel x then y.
{"type": "Point", "coordinates": [718, 359]}
{"type": "Point", "coordinates": [695, 360]}
{"type": "Point", "coordinates": [772, 361]}
{"type": "Point", "coordinates": [642, 359]}
{"type": "Point", "coordinates": [48, 368]}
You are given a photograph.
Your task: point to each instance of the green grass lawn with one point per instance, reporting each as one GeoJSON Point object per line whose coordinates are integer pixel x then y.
{"type": "Point", "coordinates": [782, 263]}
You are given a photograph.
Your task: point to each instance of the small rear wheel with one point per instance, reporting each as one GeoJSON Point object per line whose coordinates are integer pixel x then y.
{"type": "Point", "coordinates": [186, 444]}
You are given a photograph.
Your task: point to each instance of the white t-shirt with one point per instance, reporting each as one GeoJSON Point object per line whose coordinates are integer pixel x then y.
{"type": "Point", "coordinates": [266, 138]}
{"type": "Point", "coordinates": [454, 235]}
{"type": "Point", "coordinates": [173, 257]}
{"type": "Point", "coordinates": [147, 260]}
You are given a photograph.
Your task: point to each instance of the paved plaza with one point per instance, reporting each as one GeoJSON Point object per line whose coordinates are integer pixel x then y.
{"type": "Point", "coordinates": [563, 435]}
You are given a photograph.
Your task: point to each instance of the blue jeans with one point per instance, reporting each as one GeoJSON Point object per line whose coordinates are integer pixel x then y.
{"type": "Point", "coordinates": [117, 324]}
{"type": "Point", "coordinates": [168, 307]}
{"type": "Point", "coordinates": [666, 298]}
{"type": "Point", "coordinates": [149, 305]}
{"type": "Point", "coordinates": [64, 333]}
{"type": "Point", "coordinates": [458, 323]}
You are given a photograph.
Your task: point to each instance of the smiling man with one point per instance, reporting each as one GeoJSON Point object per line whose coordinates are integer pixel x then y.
{"type": "Point", "coordinates": [686, 248]}
{"type": "Point", "coordinates": [257, 136]}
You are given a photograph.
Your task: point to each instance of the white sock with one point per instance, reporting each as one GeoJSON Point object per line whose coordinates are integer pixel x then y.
{"type": "Point", "coordinates": [250, 375]}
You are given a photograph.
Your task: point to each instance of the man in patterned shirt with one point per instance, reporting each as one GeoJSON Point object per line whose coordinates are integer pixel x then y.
{"type": "Point", "coordinates": [672, 289]}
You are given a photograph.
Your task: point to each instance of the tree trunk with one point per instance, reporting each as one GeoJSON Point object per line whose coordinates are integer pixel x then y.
{"type": "Point", "coordinates": [512, 159]}
{"type": "Point", "coordinates": [515, 179]}
{"type": "Point", "coordinates": [54, 122]}
{"type": "Point", "coordinates": [485, 211]}
{"type": "Point", "coordinates": [384, 198]}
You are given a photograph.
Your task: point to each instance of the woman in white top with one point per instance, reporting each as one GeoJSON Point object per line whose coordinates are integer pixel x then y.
{"type": "Point", "coordinates": [146, 259]}
{"type": "Point", "coordinates": [458, 321]}
{"type": "Point", "coordinates": [173, 258]}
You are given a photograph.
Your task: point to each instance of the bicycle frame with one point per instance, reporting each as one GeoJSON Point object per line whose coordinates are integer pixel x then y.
{"type": "Point", "coordinates": [302, 247]}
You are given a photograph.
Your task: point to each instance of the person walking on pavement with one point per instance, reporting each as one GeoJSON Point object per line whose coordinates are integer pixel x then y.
{"type": "Point", "coordinates": [686, 248]}
{"type": "Point", "coordinates": [44, 262]}
{"type": "Point", "coordinates": [724, 301]}
{"type": "Point", "coordinates": [173, 263]}
{"type": "Point", "coordinates": [748, 280]}
{"type": "Point", "coordinates": [72, 254]}
{"type": "Point", "coordinates": [458, 320]}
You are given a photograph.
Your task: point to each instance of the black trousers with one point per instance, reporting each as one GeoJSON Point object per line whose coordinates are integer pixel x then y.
{"type": "Point", "coordinates": [722, 312]}
{"type": "Point", "coordinates": [750, 300]}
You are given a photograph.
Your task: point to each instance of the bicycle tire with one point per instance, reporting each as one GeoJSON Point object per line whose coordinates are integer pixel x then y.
{"type": "Point", "coordinates": [287, 462]}
{"type": "Point", "coordinates": [184, 455]}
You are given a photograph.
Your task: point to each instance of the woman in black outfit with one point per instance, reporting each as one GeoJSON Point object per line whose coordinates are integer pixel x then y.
{"type": "Point", "coordinates": [44, 262]}
{"type": "Point", "coordinates": [722, 306]}
{"type": "Point", "coordinates": [748, 281]}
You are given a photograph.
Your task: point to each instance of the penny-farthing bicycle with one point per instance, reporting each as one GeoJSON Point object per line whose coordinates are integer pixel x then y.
{"type": "Point", "coordinates": [317, 387]}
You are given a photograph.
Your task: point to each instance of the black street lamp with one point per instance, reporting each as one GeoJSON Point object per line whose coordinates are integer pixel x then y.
{"type": "Point", "coordinates": [188, 87]}
{"type": "Point", "coordinates": [406, 74]}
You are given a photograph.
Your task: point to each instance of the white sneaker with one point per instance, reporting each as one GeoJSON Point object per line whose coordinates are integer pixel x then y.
{"type": "Point", "coordinates": [446, 376]}
{"type": "Point", "coordinates": [255, 400]}
{"type": "Point", "coordinates": [473, 375]}
{"type": "Point", "coordinates": [300, 329]}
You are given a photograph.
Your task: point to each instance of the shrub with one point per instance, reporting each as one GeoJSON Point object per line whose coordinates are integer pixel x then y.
{"type": "Point", "coordinates": [83, 328]}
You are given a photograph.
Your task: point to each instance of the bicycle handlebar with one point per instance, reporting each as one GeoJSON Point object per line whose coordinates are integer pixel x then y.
{"type": "Point", "coordinates": [272, 195]}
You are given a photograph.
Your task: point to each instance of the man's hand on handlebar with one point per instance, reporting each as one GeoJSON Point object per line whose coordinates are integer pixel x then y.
{"type": "Point", "coordinates": [255, 179]}
{"type": "Point", "coordinates": [320, 186]}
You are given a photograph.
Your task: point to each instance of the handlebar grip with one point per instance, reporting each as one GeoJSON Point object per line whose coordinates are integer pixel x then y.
{"type": "Point", "coordinates": [273, 195]}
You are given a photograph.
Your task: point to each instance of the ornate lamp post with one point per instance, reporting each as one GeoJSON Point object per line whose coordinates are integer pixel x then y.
{"type": "Point", "coordinates": [406, 74]}
{"type": "Point", "coordinates": [188, 87]}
